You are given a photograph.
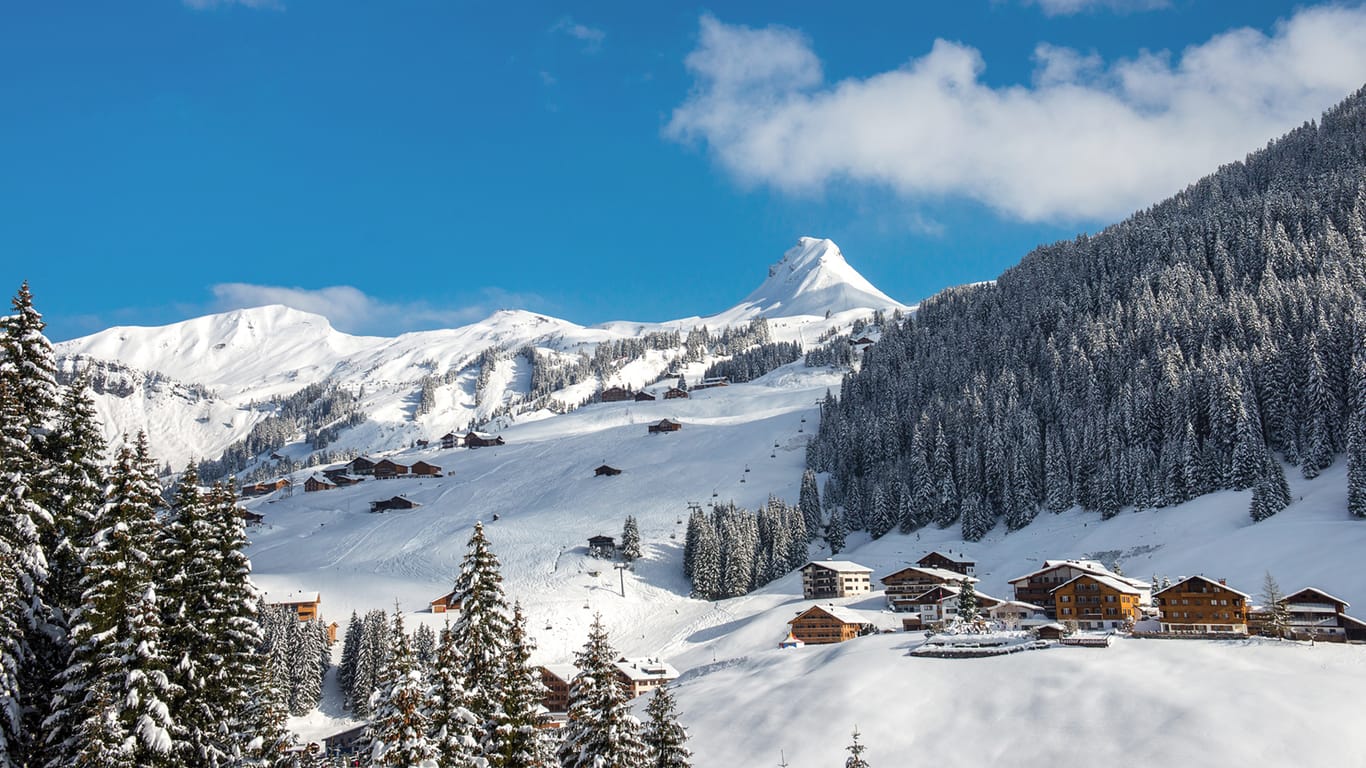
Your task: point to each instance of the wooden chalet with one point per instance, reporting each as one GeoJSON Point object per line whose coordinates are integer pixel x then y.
{"type": "Point", "coordinates": [1016, 613]}
{"type": "Point", "coordinates": [662, 426]}
{"type": "Point", "coordinates": [941, 560]}
{"type": "Point", "coordinates": [1198, 604]}
{"type": "Point", "coordinates": [397, 502]}
{"type": "Point", "coordinates": [606, 470]}
{"type": "Point", "coordinates": [1050, 631]}
{"type": "Point", "coordinates": [423, 469]}
{"type": "Point", "coordinates": [1313, 613]}
{"type": "Point", "coordinates": [825, 624]}
{"type": "Point", "coordinates": [674, 393]}
{"type": "Point", "coordinates": [1097, 601]}
{"type": "Point", "coordinates": [361, 465]}
{"type": "Point", "coordinates": [480, 440]}
{"type": "Point", "coordinates": [450, 440]}
{"type": "Point", "coordinates": [640, 676]}
{"type": "Point", "coordinates": [332, 632]}
{"type": "Point", "coordinates": [824, 579]}
{"type": "Point", "coordinates": [557, 679]}
{"type": "Point", "coordinates": [940, 604]}
{"type": "Point", "coordinates": [602, 546]}
{"type": "Point", "coordinates": [304, 604]}
{"type": "Point", "coordinates": [317, 482]}
{"type": "Point", "coordinates": [860, 341]}
{"type": "Point", "coordinates": [423, 443]}
{"type": "Point", "coordinates": [388, 469]}
{"type": "Point", "coordinates": [1038, 587]}
{"type": "Point", "coordinates": [644, 397]}
{"type": "Point", "coordinates": [615, 395]}
{"type": "Point", "coordinates": [713, 381]}
{"type": "Point", "coordinates": [261, 489]}
{"type": "Point", "coordinates": [911, 582]}
{"type": "Point", "coordinates": [447, 602]}
{"type": "Point", "coordinates": [341, 478]}
{"type": "Point", "coordinates": [251, 518]}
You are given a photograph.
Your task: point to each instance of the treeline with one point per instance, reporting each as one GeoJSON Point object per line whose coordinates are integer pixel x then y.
{"type": "Point", "coordinates": [1193, 347]}
{"type": "Point", "coordinates": [319, 412]}
{"type": "Point", "coordinates": [733, 551]}
{"type": "Point", "coordinates": [755, 362]}
{"type": "Point", "coordinates": [128, 627]}
{"type": "Point", "coordinates": [471, 697]}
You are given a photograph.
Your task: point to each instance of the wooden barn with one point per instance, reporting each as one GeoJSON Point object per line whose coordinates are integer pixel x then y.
{"type": "Point", "coordinates": [664, 425]}
{"type": "Point", "coordinates": [447, 602]}
{"type": "Point", "coordinates": [316, 482]}
{"type": "Point", "coordinates": [450, 440]}
{"type": "Point", "coordinates": [397, 502]}
{"type": "Point", "coordinates": [940, 560]}
{"type": "Point", "coordinates": [251, 518]}
{"type": "Point", "coordinates": [644, 397]}
{"type": "Point", "coordinates": [423, 443]}
{"type": "Point", "coordinates": [615, 395]}
{"type": "Point", "coordinates": [481, 440]}
{"type": "Point", "coordinates": [606, 470]}
{"type": "Point", "coordinates": [423, 469]}
{"type": "Point", "coordinates": [388, 469]}
{"type": "Point", "coordinates": [674, 393]}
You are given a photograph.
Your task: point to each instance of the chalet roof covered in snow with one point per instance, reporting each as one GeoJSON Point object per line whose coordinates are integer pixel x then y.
{"type": "Point", "coordinates": [839, 566]}
{"type": "Point", "coordinates": [646, 669]}
{"type": "Point", "coordinates": [943, 574]}
{"type": "Point", "coordinates": [1112, 581]}
{"type": "Point", "coordinates": [1205, 579]}
{"type": "Point", "coordinates": [290, 598]}
{"type": "Point", "coordinates": [1290, 596]}
{"type": "Point", "coordinates": [566, 672]}
{"type": "Point", "coordinates": [1089, 566]}
{"type": "Point", "coordinates": [840, 613]}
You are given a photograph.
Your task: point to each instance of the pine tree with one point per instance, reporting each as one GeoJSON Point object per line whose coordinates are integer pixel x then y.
{"type": "Point", "coordinates": [398, 729]}
{"type": "Point", "coordinates": [370, 661]}
{"type": "Point", "coordinates": [453, 725]}
{"type": "Point", "coordinates": [267, 715]}
{"type": "Point", "coordinates": [809, 502]}
{"type": "Point", "coordinates": [516, 740]}
{"type": "Point", "coordinates": [116, 681]}
{"type": "Point", "coordinates": [967, 601]}
{"type": "Point", "coordinates": [664, 736]}
{"type": "Point", "coordinates": [305, 688]}
{"type": "Point", "coordinates": [976, 518]}
{"type": "Point", "coordinates": [483, 626]}
{"type": "Point", "coordinates": [346, 670]}
{"type": "Point", "coordinates": [1356, 433]}
{"type": "Point", "coordinates": [600, 732]}
{"type": "Point", "coordinates": [630, 539]}
{"type": "Point", "coordinates": [424, 646]}
{"type": "Point", "coordinates": [856, 750]}
{"type": "Point", "coordinates": [835, 532]}
{"type": "Point", "coordinates": [1278, 613]}
{"type": "Point", "coordinates": [1271, 493]}
{"type": "Point", "coordinates": [706, 577]}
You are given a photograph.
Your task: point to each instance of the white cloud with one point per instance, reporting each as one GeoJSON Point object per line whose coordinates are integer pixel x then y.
{"type": "Point", "coordinates": [204, 5]}
{"type": "Point", "coordinates": [1085, 140]}
{"type": "Point", "coordinates": [591, 37]}
{"type": "Point", "coordinates": [1069, 7]}
{"type": "Point", "coordinates": [352, 310]}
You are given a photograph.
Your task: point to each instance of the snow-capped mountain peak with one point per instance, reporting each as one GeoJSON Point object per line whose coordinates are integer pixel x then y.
{"type": "Point", "coordinates": [811, 279]}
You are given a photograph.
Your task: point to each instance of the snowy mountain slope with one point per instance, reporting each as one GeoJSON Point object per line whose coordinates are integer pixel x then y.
{"type": "Point", "coordinates": [244, 357]}
{"type": "Point", "coordinates": [548, 503]}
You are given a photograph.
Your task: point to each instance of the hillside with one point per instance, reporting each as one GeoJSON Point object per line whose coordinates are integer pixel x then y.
{"type": "Point", "coordinates": [1185, 350]}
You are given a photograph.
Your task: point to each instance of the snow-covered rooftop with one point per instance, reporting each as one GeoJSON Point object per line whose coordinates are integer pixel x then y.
{"type": "Point", "coordinates": [646, 669]}
{"type": "Point", "coordinates": [840, 566]}
{"type": "Point", "coordinates": [290, 598]}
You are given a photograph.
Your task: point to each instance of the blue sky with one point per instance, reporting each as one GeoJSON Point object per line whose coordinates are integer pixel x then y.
{"type": "Point", "coordinates": [408, 165]}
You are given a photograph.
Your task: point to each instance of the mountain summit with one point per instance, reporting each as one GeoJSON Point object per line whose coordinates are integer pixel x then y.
{"type": "Point", "coordinates": [810, 279]}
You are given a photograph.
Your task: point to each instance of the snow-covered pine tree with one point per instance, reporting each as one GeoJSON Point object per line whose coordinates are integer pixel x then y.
{"type": "Point", "coordinates": [1271, 493]}
{"type": "Point", "coordinates": [370, 660]}
{"type": "Point", "coordinates": [600, 731]}
{"type": "Point", "coordinates": [1356, 428]}
{"type": "Point", "coordinates": [305, 687]}
{"type": "Point", "coordinates": [238, 637]}
{"type": "Point", "coordinates": [809, 502]}
{"type": "Point", "coordinates": [665, 737]}
{"type": "Point", "coordinates": [266, 717]}
{"type": "Point", "coordinates": [117, 673]}
{"type": "Point", "coordinates": [706, 572]}
{"type": "Point", "coordinates": [1278, 613]}
{"type": "Point", "coordinates": [453, 725]}
{"type": "Point", "coordinates": [424, 646]}
{"type": "Point", "coordinates": [482, 629]}
{"type": "Point", "coordinates": [976, 518]}
{"type": "Point", "coordinates": [517, 740]}
{"type": "Point", "coordinates": [835, 532]}
{"type": "Point", "coordinates": [346, 670]}
{"type": "Point", "coordinates": [399, 727]}
{"type": "Point", "coordinates": [630, 539]}
{"type": "Point", "coordinates": [855, 750]}
{"type": "Point", "coordinates": [967, 601]}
